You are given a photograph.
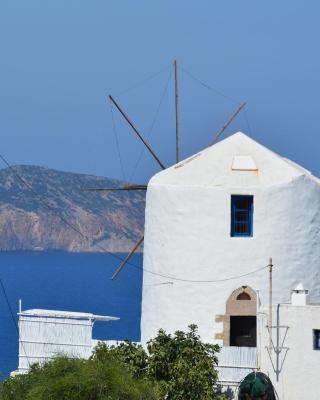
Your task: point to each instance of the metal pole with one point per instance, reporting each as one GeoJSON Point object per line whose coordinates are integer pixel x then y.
{"type": "Point", "coordinates": [137, 132]}
{"type": "Point", "coordinates": [270, 303]}
{"type": "Point", "coordinates": [177, 110]}
{"type": "Point", "coordinates": [278, 343]}
{"type": "Point", "coordinates": [258, 339]}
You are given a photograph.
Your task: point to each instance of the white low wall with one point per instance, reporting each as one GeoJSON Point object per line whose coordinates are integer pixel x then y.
{"type": "Point", "coordinates": [235, 363]}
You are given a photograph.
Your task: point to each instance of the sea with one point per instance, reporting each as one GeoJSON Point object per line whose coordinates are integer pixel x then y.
{"type": "Point", "coordinates": [71, 282]}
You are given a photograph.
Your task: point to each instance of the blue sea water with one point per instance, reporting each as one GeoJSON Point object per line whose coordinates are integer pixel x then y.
{"type": "Point", "coordinates": [71, 282]}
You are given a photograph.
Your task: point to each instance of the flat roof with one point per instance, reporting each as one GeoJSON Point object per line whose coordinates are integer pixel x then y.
{"type": "Point", "coordinates": [36, 312]}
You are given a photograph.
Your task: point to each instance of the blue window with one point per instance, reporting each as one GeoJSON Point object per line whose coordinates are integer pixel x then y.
{"type": "Point", "coordinates": [241, 215]}
{"type": "Point", "coordinates": [316, 339]}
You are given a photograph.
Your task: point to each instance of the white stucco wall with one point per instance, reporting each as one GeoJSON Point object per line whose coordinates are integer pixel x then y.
{"type": "Point", "coordinates": [299, 377]}
{"type": "Point", "coordinates": [44, 334]}
{"type": "Point", "coordinates": [187, 236]}
{"type": "Point", "coordinates": [42, 338]}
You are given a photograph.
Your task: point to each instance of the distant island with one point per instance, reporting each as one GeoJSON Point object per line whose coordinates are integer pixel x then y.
{"type": "Point", "coordinates": [113, 220]}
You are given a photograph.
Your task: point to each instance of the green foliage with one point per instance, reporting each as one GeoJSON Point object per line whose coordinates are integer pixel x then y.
{"type": "Point", "coordinates": [176, 367]}
{"type": "Point", "coordinates": [132, 355]}
{"type": "Point", "coordinates": [76, 379]}
{"type": "Point", "coordinates": [183, 365]}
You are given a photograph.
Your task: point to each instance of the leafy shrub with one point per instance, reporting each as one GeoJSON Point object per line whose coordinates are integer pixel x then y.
{"type": "Point", "coordinates": [176, 367]}
{"type": "Point", "coordinates": [76, 379]}
{"type": "Point", "coordinates": [181, 364]}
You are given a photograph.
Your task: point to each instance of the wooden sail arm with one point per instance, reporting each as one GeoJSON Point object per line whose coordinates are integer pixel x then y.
{"type": "Point", "coordinates": [143, 140]}
{"type": "Point", "coordinates": [124, 262]}
{"type": "Point", "coordinates": [225, 126]}
{"type": "Point", "coordinates": [127, 187]}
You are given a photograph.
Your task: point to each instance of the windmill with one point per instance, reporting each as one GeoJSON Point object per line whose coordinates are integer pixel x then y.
{"type": "Point", "coordinates": [133, 187]}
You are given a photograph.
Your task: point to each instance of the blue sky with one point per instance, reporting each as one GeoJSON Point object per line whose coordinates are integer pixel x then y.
{"type": "Point", "coordinates": [60, 60]}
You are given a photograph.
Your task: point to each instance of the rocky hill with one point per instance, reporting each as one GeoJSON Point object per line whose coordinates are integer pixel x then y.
{"type": "Point", "coordinates": [114, 220]}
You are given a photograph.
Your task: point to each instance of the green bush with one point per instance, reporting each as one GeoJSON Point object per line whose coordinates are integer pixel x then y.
{"type": "Point", "coordinates": [132, 355]}
{"type": "Point", "coordinates": [176, 367]}
{"type": "Point", "coordinates": [76, 379]}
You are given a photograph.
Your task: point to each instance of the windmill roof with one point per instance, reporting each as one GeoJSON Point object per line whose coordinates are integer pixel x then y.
{"type": "Point", "coordinates": [237, 161]}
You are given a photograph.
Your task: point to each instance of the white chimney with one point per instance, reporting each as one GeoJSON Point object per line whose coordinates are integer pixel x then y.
{"type": "Point", "coordinates": [299, 296]}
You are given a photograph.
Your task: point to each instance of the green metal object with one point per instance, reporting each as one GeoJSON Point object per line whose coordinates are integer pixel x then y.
{"type": "Point", "coordinates": [256, 386]}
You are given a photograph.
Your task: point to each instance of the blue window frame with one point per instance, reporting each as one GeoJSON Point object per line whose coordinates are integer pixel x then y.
{"type": "Point", "coordinates": [316, 339]}
{"type": "Point", "coordinates": [241, 215]}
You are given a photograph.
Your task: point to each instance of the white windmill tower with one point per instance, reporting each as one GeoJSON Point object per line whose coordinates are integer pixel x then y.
{"type": "Point", "coordinates": [212, 221]}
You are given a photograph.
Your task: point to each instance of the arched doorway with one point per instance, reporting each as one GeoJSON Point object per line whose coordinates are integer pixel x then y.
{"type": "Point", "coordinates": [240, 320]}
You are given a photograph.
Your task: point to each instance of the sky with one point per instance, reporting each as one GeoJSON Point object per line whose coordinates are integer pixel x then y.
{"type": "Point", "coordinates": [61, 59]}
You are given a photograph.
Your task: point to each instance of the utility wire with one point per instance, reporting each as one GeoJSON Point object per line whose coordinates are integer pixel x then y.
{"type": "Point", "coordinates": [65, 221]}
{"type": "Point", "coordinates": [71, 226]}
{"type": "Point", "coordinates": [216, 280]}
{"type": "Point", "coordinates": [13, 319]}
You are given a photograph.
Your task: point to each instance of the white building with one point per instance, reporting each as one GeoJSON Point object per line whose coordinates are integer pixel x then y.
{"type": "Point", "coordinates": [222, 214]}
{"type": "Point", "coordinates": [44, 334]}
{"type": "Point", "coordinates": [295, 371]}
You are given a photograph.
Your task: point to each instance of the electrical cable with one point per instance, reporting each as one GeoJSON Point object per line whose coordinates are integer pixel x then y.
{"type": "Point", "coordinates": [67, 223]}
{"type": "Point", "coordinates": [13, 319]}
{"type": "Point", "coordinates": [215, 280]}
{"type": "Point", "coordinates": [71, 226]}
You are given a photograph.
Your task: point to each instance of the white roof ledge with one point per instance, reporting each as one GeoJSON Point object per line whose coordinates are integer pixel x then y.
{"type": "Point", "coordinates": [36, 312]}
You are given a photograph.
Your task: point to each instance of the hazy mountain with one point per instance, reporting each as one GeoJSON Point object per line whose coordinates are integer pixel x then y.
{"type": "Point", "coordinates": [114, 220]}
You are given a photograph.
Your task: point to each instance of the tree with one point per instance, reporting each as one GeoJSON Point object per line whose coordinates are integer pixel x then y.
{"type": "Point", "coordinates": [183, 365]}
{"type": "Point", "coordinates": [132, 355]}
